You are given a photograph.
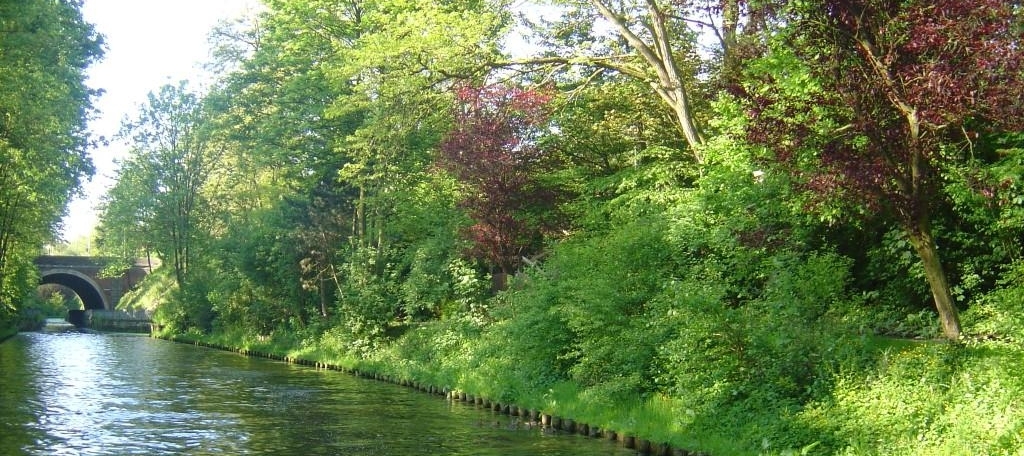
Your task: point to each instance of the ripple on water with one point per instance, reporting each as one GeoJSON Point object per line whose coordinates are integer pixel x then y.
{"type": "Point", "coordinates": [90, 394]}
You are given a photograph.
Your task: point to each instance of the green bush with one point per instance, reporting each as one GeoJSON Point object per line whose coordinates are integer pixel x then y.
{"type": "Point", "coordinates": [528, 341]}
{"type": "Point", "coordinates": [367, 300]}
{"type": "Point", "coordinates": [427, 285]}
{"type": "Point", "coordinates": [602, 287]}
{"type": "Point", "coordinates": [187, 309]}
{"type": "Point", "coordinates": [8, 327]}
{"type": "Point", "coordinates": [999, 314]}
{"type": "Point", "coordinates": [926, 398]}
{"type": "Point", "coordinates": [751, 368]}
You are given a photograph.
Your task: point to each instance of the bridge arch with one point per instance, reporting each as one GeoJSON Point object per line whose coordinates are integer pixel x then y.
{"type": "Point", "coordinates": [84, 286]}
{"type": "Point", "coordinates": [87, 277]}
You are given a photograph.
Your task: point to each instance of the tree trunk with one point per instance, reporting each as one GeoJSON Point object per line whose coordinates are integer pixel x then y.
{"type": "Point", "coordinates": [679, 101]}
{"type": "Point", "coordinates": [658, 54]}
{"type": "Point", "coordinates": [924, 244]}
{"type": "Point", "coordinates": [323, 296]}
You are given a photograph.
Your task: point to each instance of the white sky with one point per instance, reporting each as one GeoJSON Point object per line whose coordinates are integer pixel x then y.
{"type": "Point", "coordinates": [149, 43]}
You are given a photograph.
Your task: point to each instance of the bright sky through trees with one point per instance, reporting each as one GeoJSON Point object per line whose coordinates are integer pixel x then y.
{"type": "Point", "coordinates": [149, 43]}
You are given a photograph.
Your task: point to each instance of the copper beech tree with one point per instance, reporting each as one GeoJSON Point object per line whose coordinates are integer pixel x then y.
{"type": "Point", "coordinates": [897, 81]}
{"type": "Point", "coordinates": [493, 151]}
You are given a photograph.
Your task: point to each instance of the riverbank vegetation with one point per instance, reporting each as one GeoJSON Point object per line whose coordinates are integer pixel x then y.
{"type": "Point", "coordinates": [799, 233]}
{"type": "Point", "coordinates": [793, 239]}
{"type": "Point", "coordinates": [736, 227]}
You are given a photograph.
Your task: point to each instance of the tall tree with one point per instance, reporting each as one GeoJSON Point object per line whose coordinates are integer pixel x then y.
{"type": "Point", "coordinates": [126, 213]}
{"type": "Point", "coordinates": [171, 159]}
{"type": "Point", "coordinates": [891, 83]}
{"type": "Point", "coordinates": [284, 150]}
{"type": "Point", "coordinates": [399, 69]}
{"type": "Point", "coordinates": [45, 48]}
{"type": "Point", "coordinates": [681, 49]}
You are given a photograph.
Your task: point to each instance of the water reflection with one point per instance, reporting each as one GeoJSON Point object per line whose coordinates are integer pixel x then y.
{"type": "Point", "coordinates": [90, 394]}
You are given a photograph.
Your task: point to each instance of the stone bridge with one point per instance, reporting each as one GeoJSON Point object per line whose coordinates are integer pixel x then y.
{"type": "Point", "coordinates": [82, 274]}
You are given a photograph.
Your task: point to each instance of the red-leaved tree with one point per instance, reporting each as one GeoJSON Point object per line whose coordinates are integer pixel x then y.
{"type": "Point", "coordinates": [899, 79]}
{"type": "Point", "coordinates": [493, 151]}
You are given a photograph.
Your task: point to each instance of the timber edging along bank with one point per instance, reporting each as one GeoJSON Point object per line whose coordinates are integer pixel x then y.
{"type": "Point", "coordinates": [534, 416]}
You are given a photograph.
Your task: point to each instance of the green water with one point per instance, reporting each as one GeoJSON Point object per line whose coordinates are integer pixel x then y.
{"type": "Point", "coordinates": [72, 393]}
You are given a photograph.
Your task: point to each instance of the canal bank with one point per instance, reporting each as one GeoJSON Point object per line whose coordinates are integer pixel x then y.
{"type": "Point", "coordinates": [545, 413]}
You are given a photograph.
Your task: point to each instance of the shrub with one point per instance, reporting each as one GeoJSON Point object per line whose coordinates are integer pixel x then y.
{"type": "Point", "coordinates": [925, 398]}
{"type": "Point", "coordinates": [999, 314]}
{"type": "Point", "coordinates": [602, 286]}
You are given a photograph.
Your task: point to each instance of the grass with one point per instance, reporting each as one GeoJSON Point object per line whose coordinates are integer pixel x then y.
{"type": "Point", "coordinates": [653, 418]}
{"type": "Point", "coordinates": [156, 289]}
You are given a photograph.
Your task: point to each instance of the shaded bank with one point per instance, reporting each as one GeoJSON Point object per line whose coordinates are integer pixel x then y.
{"type": "Point", "coordinates": [7, 330]}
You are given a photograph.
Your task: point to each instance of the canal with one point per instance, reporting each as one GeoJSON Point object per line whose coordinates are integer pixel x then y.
{"type": "Point", "coordinates": [73, 393]}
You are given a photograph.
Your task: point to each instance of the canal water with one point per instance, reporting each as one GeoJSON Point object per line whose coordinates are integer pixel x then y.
{"type": "Point", "coordinates": [73, 393]}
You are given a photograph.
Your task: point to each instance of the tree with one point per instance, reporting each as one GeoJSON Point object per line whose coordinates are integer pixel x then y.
{"type": "Point", "coordinates": [126, 227]}
{"type": "Point", "coordinates": [284, 150]}
{"type": "Point", "coordinates": [45, 48]}
{"type": "Point", "coordinates": [171, 161]}
{"type": "Point", "coordinates": [888, 86]}
{"type": "Point", "coordinates": [493, 151]}
{"type": "Point", "coordinates": [659, 44]}
{"type": "Point", "coordinates": [397, 73]}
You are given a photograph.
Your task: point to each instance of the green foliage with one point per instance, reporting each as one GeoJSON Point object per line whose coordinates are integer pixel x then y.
{"type": "Point", "coordinates": [160, 188]}
{"type": "Point", "coordinates": [19, 278]}
{"type": "Point", "coordinates": [727, 363]}
{"type": "Point", "coordinates": [926, 398]}
{"type": "Point", "coordinates": [526, 344]}
{"type": "Point", "coordinates": [49, 302]}
{"type": "Point", "coordinates": [264, 286]}
{"type": "Point", "coordinates": [697, 303]}
{"type": "Point", "coordinates": [7, 327]}
{"type": "Point", "coordinates": [984, 188]}
{"type": "Point", "coordinates": [175, 310]}
{"type": "Point", "coordinates": [893, 263]}
{"type": "Point", "coordinates": [436, 282]}
{"type": "Point", "coordinates": [32, 314]}
{"type": "Point", "coordinates": [999, 314]}
{"type": "Point", "coordinates": [58, 300]}
{"type": "Point", "coordinates": [154, 290]}
{"type": "Point", "coordinates": [45, 48]}
{"type": "Point", "coordinates": [366, 299]}
{"type": "Point", "coordinates": [603, 287]}
{"type": "Point", "coordinates": [185, 311]}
